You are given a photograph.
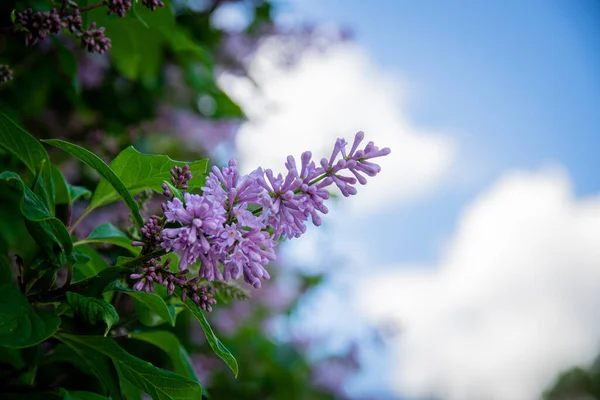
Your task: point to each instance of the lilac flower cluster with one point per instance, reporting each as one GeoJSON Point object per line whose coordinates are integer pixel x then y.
{"type": "Point", "coordinates": [233, 227]}
{"type": "Point", "coordinates": [154, 272]}
{"type": "Point", "coordinates": [119, 7]}
{"type": "Point", "coordinates": [93, 39]}
{"type": "Point", "coordinates": [152, 4]}
{"type": "Point", "coordinates": [39, 25]}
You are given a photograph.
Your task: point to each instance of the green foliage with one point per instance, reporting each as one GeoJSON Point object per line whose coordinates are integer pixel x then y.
{"type": "Point", "coordinates": [150, 307]}
{"type": "Point", "coordinates": [576, 383]}
{"type": "Point", "coordinates": [168, 342]}
{"type": "Point", "coordinates": [104, 170]}
{"type": "Point", "coordinates": [139, 172]}
{"type": "Point", "coordinates": [108, 233]}
{"type": "Point", "coordinates": [29, 150]}
{"type": "Point", "coordinates": [158, 383]}
{"type": "Point", "coordinates": [20, 324]}
{"type": "Point", "coordinates": [93, 310]}
{"type": "Point", "coordinates": [88, 262]}
{"type": "Point", "coordinates": [213, 341]}
{"type": "Point", "coordinates": [65, 193]}
{"type": "Point", "coordinates": [48, 232]}
{"type": "Point", "coordinates": [99, 364]}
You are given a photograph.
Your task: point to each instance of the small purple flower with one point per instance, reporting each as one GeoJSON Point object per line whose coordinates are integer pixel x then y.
{"type": "Point", "coordinates": [200, 218]}
{"type": "Point", "coordinates": [74, 22]}
{"type": "Point", "coordinates": [151, 231]}
{"type": "Point", "coordinates": [180, 176]}
{"type": "Point", "coordinates": [39, 24]}
{"type": "Point", "coordinates": [93, 40]}
{"type": "Point", "coordinates": [152, 4]}
{"type": "Point", "coordinates": [119, 7]}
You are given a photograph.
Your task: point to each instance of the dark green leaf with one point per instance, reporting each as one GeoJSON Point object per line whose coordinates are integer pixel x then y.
{"type": "Point", "coordinates": [77, 395]}
{"type": "Point", "coordinates": [98, 364]}
{"type": "Point", "coordinates": [151, 308]}
{"type": "Point", "coordinates": [106, 277]}
{"type": "Point", "coordinates": [105, 172]}
{"type": "Point", "coordinates": [139, 172]}
{"type": "Point", "coordinates": [68, 63]}
{"type": "Point", "coordinates": [123, 260]}
{"type": "Point", "coordinates": [20, 324]}
{"type": "Point", "coordinates": [158, 383]}
{"type": "Point", "coordinates": [29, 150]}
{"type": "Point", "coordinates": [49, 232]}
{"type": "Point", "coordinates": [108, 233]}
{"type": "Point", "coordinates": [93, 310]}
{"type": "Point", "coordinates": [5, 269]}
{"type": "Point", "coordinates": [129, 391]}
{"type": "Point", "coordinates": [76, 192]}
{"type": "Point", "coordinates": [65, 193]}
{"type": "Point", "coordinates": [169, 343]}
{"type": "Point", "coordinates": [212, 339]}
{"type": "Point", "coordinates": [89, 262]}
{"type": "Point", "coordinates": [61, 188]}
{"type": "Point", "coordinates": [125, 49]}
{"type": "Point", "coordinates": [137, 15]}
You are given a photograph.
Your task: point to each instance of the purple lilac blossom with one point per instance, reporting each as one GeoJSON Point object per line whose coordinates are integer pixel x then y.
{"type": "Point", "coordinates": [219, 229]}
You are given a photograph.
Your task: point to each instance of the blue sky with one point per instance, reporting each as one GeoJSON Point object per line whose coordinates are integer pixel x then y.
{"type": "Point", "coordinates": [517, 82]}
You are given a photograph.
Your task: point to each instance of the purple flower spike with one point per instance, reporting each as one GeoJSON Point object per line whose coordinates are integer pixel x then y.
{"type": "Point", "coordinates": [227, 228]}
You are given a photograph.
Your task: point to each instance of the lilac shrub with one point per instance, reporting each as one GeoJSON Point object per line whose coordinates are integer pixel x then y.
{"type": "Point", "coordinates": [233, 227]}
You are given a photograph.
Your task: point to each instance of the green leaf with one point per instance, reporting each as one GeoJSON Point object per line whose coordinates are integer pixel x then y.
{"type": "Point", "coordinates": [108, 233]}
{"type": "Point", "coordinates": [88, 262]}
{"type": "Point", "coordinates": [93, 310]}
{"type": "Point", "coordinates": [76, 192]}
{"type": "Point", "coordinates": [65, 193]}
{"type": "Point", "coordinates": [105, 278]}
{"type": "Point", "coordinates": [151, 308]}
{"type": "Point", "coordinates": [78, 395]}
{"type": "Point", "coordinates": [61, 188]}
{"type": "Point", "coordinates": [67, 62]}
{"type": "Point", "coordinates": [156, 382]}
{"type": "Point", "coordinates": [139, 172]}
{"type": "Point", "coordinates": [169, 343]}
{"type": "Point", "coordinates": [29, 150]}
{"type": "Point", "coordinates": [129, 391]}
{"type": "Point", "coordinates": [20, 324]}
{"type": "Point", "coordinates": [213, 341]}
{"type": "Point", "coordinates": [98, 364]}
{"type": "Point", "coordinates": [125, 48]}
{"type": "Point", "coordinates": [49, 232]}
{"type": "Point", "coordinates": [5, 269]}
{"type": "Point", "coordinates": [105, 172]}
{"type": "Point", "coordinates": [138, 16]}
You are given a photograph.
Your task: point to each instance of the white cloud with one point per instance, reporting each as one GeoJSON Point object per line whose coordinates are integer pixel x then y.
{"type": "Point", "coordinates": [335, 94]}
{"type": "Point", "coordinates": [514, 299]}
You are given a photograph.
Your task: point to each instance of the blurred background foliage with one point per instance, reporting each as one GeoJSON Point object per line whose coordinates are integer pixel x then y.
{"type": "Point", "coordinates": [157, 90]}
